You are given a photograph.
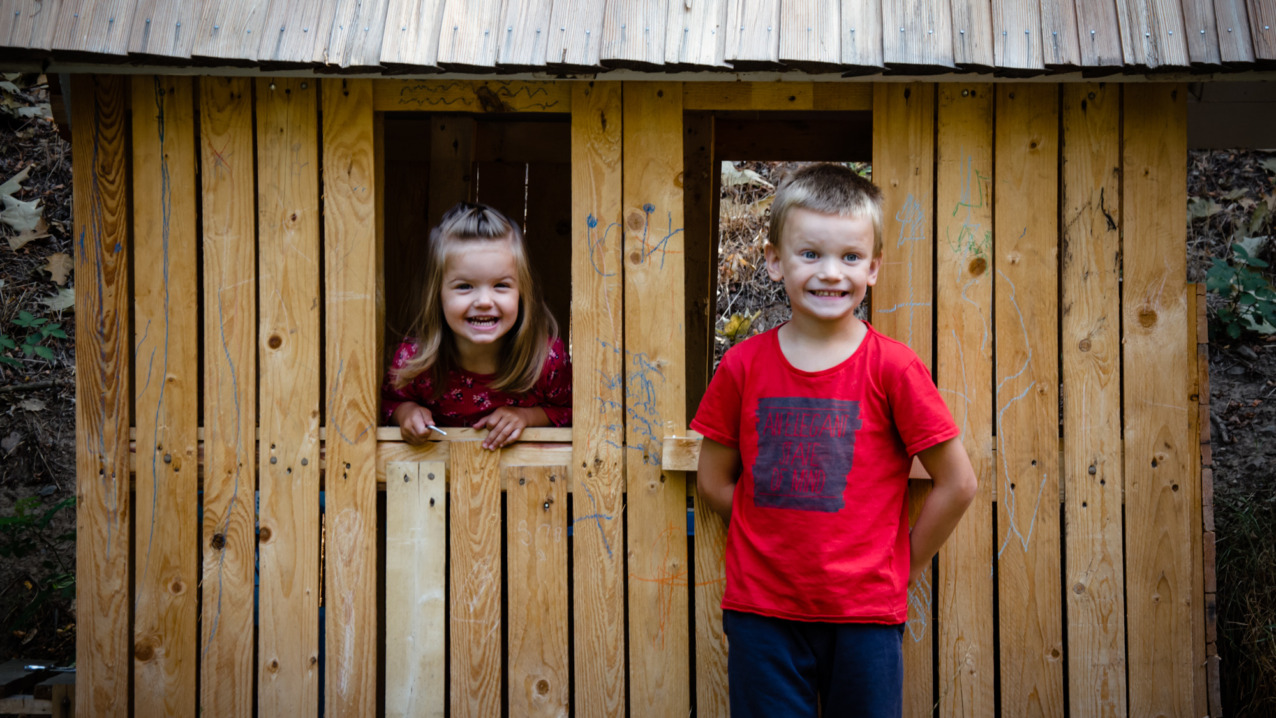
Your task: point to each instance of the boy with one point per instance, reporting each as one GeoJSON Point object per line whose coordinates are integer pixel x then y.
{"type": "Point", "coordinates": [809, 432]}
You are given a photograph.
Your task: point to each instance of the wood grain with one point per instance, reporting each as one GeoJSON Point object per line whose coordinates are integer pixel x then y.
{"type": "Point", "coordinates": [1201, 32]}
{"type": "Point", "coordinates": [1093, 474]}
{"type": "Point", "coordinates": [1262, 29]}
{"type": "Point", "coordinates": [1099, 34]}
{"type": "Point", "coordinates": [412, 33]}
{"type": "Point", "coordinates": [471, 96]}
{"type": "Point", "coordinates": [294, 33]}
{"type": "Point", "coordinates": [476, 632]}
{"type": "Point", "coordinates": [98, 26]}
{"type": "Point", "coordinates": [634, 33]}
{"type": "Point", "coordinates": [166, 377]}
{"type": "Point", "coordinates": [810, 35]}
{"type": "Point", "coordinates": [972, 33]}
{"type": "Point", "coordinates": [1152, 33]}
{"type": "Point", "coordinates": [289, 395]}
{"type": "Point", "coordinates": [230, 399]}
{"type": "Point", "coordinates": [748, 96]}
{"type": "Point", "coordinates": [99, 106]}
{"type": "Point", "coordinates": [598, 414]}
{"type": "Point", "coordinates": [163, 27]}
{"type": "Point", "coordinates": [358, 31]}
{"type": "Point", "coordinates": [353, 375]}
{"type": "Point", "coordinates": [694, 34]}
{"type": "Point", "coordinates": [30, 25]}
{"type": "Point", "coordinates": [1157, 494]}
{"type": "Point", "coordinates": [1231, 19]}
{"type": "Point", "coordinates": [1016, 34]}
{"type": "Point", "coordinates": [752, 33]}
{"type": "Point", "coordinates": [416, 590]}
{"type": "Point", "coordinates": [230, 30]}
{"type": "Point", "coordinates": [963, 372]}
{"type": "Point", "coordinates": [576, 34]}
{"type": "Point", "coordinates": [1027, 398]}
{"type": "Point", "coordinates": [917, 33]}
{"type": "Point", "coordinates": [862, 33]}
{"type": "Point", "coordinates": [524, 33]}
{"type": "Point", "coordinates": [536, 553]}
{"type": "Point", "coordinates": [468, 34]}
{"type": "Point", "coordinates": [1059, 43]}
{"type": "Point", "coordinates": [903, 166]}
{"type": "Point", "coordinates": [654, 358]}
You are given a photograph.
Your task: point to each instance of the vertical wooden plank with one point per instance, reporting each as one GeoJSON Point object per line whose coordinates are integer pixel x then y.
{"type": "Point", "coordinates": [451, 164]}
{"type": "Point", "coordinates": [598, 580]}
{"type": "Point", "coordinates": [752, 33]}
{"type": "Point", "coordinates": [917, 32]}
{"type": "Point", "coordinates": [1152, 33]}
{"type": "Point", "coordinates": [412, 33]}
{"type": "Point", "coordinates": [536, 541]}
{"type": "Point", "coordinates": [31, 26]}
{"type": "Point", "coordinates": [1093, 475]}
{"type": "Point", "coordinates": [1059, 43]}
{"type": "Point", "coordinates": [576, 33]}
{"type": "Point", "coordinates": [862, 33]}
{"type": "Point", "coordinates": [1027, 399]}
{"type": "Point", "coordinates": [475, 564]}
{"type": "Point", "coordinates": [358, 29]}
{"type": "Point", "coordinates": [1157, 497]}
{"type": "Point", "coordinates": [290, 33]}
{"type": "Point", "coordinates": [288, 356]}
{"type": "Point", "coordinates": [466, 37]}
{"type": "Point", "coordinates": [524, 31]}
{"type": "Point", "coordinates": [1233, 39]}
{"type": "Point", "coordinates": [166, 372]}
{"type": "Point", "coordinates": [694, 34]}
{"type": "Point", "coordinates": [810, 35]}
{"type": "Point", "coordinates": [99, 27]}
{"type": "Point", "coordinates": [416, 584]}
{"type": "Point", "coordinates": [225, 30]}
{"type": "Point", "coordinates": [353, 374]}
{"type": "Point", "coordinates": [549, 233]}
{"type": "Point", "coordinates": [972, 33]}
{"type": "Point", "coordinates": [655, 402]}
{"type": "Point", "coordinates": [1099, 34]}
{"type": "Point", "coordinates": [904, 167]}
{"type": "Point", "coordinates": [963, 372]}
{"type": "Point", "coordinates": [1262, 27]}
{"type": "Point", "coordinates": [1201, 705]}
{"type": "Point", "coordinates": [163, 27]}
{"type": "Point", "coordinates": [1016, 34]}
{"type": "Point", "coordinates": [1201, 32]}
{"type": "Point", "coordinates": [99, 106]}
{"type": "Point", "coordinates": [634, 33]}
{"type": "Point", "coordinates": [702, 186]}
{"type": "Point", "coordinates": [230, 397]}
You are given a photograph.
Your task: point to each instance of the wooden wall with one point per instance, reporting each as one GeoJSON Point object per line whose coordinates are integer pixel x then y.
{"type": "Point", "coordinates": [236, 277]}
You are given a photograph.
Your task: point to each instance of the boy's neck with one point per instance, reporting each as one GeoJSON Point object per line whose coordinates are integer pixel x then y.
{"type": "Point", "coordinates": [815, 346]}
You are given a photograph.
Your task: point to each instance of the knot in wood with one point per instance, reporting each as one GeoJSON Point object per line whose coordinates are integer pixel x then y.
{"type": "Point", "coordinates": [1084, 345]}
{"type": "Point", "coordinates": [978, 266]}
{"type": "Point", "coordinates": [542, 686]}
{"type": "Point", "coordinates": [144, 651]}
{"type": "Point", "coordinates": [218, 542]}
{"type": "Point", "coordinates": [1147, 316]}
{"type": "Point", "coordinates": [275, 341]}
{"type": "Point", "coordinates": [264, 534]}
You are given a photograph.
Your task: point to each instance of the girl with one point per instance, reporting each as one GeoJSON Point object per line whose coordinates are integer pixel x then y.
{"type": "Point", "coordinates": [485, 350]}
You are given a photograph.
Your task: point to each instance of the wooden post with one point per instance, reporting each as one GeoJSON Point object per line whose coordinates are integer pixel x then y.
{"type": "Point", "coordinates": [903, 166]}
{"type": "Point", "coordinates": [1027, 399]}
{"type": "Point", "coordinates": [598, 581]}
{"type": "Point", "coordinates": [451, 164]}
{"type": "Point", "coordinates": [166, 374]}
{"type": "Point", "coordinates": [475, 564]}
{"type": "Point", "coordinates": [963, 371]}
{"type": "Point", "coordinates": [354, 322]}
{"type": "Point", "coordinates": [1093, 475]}
{"type": "Point", "coordinates": [655, 400]}
{"type": "Point", "coordinates": [288, 354]}
{"type": "Point", "coordinates": [99, 128]}
{"type": "Point", "coordinates": [1159, 496]}
{"type": "Point", "coordinates": [230, 396]}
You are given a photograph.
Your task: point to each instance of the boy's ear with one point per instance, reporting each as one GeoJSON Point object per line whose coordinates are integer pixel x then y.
{"type": "Point", "coordinates": [772, 262]}
{"type": "Point", "coordinates": [873, 266]}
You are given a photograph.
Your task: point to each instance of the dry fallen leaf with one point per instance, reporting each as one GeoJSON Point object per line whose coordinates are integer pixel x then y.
{"type": "Point", "coordinates": [26, 218]}
{"type": "Point", "coordinates": [63, 300]}
{"type": "Point", "coordinates": [59, 267]}
{"type": "Point", "coordinates": [32, 405]}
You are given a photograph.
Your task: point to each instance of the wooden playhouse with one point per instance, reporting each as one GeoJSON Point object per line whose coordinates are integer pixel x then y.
{"type": "Point", "coordinates": [253, 182]}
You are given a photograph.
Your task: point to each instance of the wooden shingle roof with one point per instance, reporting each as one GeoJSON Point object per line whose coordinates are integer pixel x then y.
{"type": "Point", "coordinates": [854, 37]}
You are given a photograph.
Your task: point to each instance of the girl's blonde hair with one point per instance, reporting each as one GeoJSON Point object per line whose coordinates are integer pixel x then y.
{"type": "Point", "coordinates": [524, 348]}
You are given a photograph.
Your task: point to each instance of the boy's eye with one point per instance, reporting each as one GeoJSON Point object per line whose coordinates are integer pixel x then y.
{"type": "Point", "coordinates": [852, 257]}
{"type": "Point", "coordinates": [809, 254]}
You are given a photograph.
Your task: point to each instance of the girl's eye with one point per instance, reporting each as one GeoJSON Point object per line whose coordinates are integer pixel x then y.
{"type": "Point", "coordinates": [461, 287]}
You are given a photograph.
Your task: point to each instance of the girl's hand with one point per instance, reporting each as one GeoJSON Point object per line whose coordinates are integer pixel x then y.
{"type": "Point", "coordinates": [506, 424]}
{"type": "Point", "coordinates": [414, 422]}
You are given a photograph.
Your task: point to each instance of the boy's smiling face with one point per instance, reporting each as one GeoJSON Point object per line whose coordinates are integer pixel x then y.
{"type": "Point", "coordinates": [826, 263]}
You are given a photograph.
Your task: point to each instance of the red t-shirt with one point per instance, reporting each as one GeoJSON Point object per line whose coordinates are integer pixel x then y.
{"type": "Point", "coordinates": [468, 398]}
{"type": "Point", "coordinates": [819, 520]}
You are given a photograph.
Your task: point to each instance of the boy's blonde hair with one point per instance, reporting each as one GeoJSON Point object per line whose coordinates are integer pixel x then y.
{"type": "Point", "coordinates": [524, 348]}
{"type": "Point", "coordinates": [828, 189]}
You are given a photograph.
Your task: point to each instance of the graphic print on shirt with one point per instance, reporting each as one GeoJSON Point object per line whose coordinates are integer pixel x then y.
{"type": "Point", "coordinates": [806, 446]}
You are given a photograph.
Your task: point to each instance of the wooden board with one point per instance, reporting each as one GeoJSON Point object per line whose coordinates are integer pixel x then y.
{"type": "Point", "coordinates": [810, 35]}
{"type": "Point", "coordinates": [416, 589]}
{"type": "Point", "coordinates": [412, 33]}
{"type": "Point", "coordinates": [166, 377]}
{"type": "Point", "coordinates": [655, 398]}
{"type": "Point", "coordinates": [358, 31]}
{"type": "Point", "coordinates": [475, 571]}
{"type": "Point", "coordinates": [1231, 20]}
{"type": "Point", "coordinates": [576, 34]}
{"type": "Point", "coordinates": [524, 33]}
{"type": "Point", "coordinates": [289, 398]}
{"type": "Point", "coordinates": [466, 37]}
{"type": "Point", "coordinates": [99, 122]}
{"type": "Point", "coordinates": [694, 35]}
{"type": "Point", "coordinates": [1090, 349]}
{"type": "Point", "coordinates": [972, 34]}
{"type": "Point", "coordinates": [1098, 33]}
{"type": "Point", "coordinates": [225, 30]}
{"type": "Point", "coordinates": [164, 27]}
{"type": "Point", "coordinates": [862, 33]}
{"type": "Point", "coordinates": [291, 33]}
{"type": "Point", "coordinates": [353, 375]}
{"type": "Point", "coordinates": [917, 33]}
{"type": "Point", "coordinates": [30, 27]}
{"type": "Point", "coordinates": [406, 202]}
{"type": "Point", "coordinates": [1262, 27]}
{"type": "Point", "coordinates": [963, 372]}
{"type": "Point", "coordinates": [98, 26]}
{"type": "Point", "coordinates": [843, 138]}
{"type": "Point", "coordinates": [634, 33]}
{"type": "Point", "coordinates": [1016, 34]}
{"type": "Point", "coordinates": [1158, 496]}
{"type": "Point", "coordinates": [536, 553]}
{"type": "Point", "coordinates": [749, 96]}
{"type": "Point", "coordinates": [903, 166]}
{"type": "Point", "coordinates": [451, 165]}
{"type": "Point", "coordinates": [1059, 43]}
{"type": "Point", "coordinates": [1027, 399]}
{"type": "Point", "coordinates": [230, 399]}
{"type": "Point", "coordinates": [1199, 680]}
{"type": "Point", "coordinates": [549, 233]}
{"type": "Point", "coordinates": [1201, 32]}
{"type": "Point", "coordinates": [598, 414]}
{"type": "Point", "coordinates": [753, 34]}
{"type": "Point", "coordinates": [1152, 33]}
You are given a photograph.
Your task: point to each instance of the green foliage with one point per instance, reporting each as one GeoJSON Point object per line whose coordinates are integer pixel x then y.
{"type": "Point", "coordinates": [27, 532]}
{"type": "Point", "coordinates": [1248, 299]}
{"type": "Point", "coordinates": [39, 331]}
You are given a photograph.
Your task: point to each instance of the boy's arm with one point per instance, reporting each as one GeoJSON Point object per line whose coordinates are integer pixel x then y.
{"type": "Point", "coordinates": [954, 486]}
{"type": "Point", "coordinates": [716, 475]}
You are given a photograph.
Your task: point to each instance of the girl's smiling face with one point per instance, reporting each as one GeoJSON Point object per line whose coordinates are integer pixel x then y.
{"type": "Point", "coordinates": [480, 300]}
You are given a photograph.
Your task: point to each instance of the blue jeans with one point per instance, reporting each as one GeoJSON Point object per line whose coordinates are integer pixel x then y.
{"type": "Point", "coordinates": [777, 667]}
